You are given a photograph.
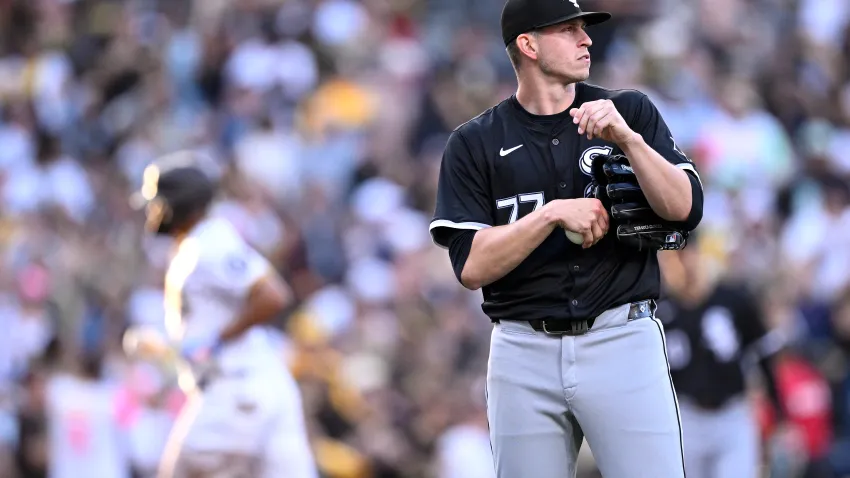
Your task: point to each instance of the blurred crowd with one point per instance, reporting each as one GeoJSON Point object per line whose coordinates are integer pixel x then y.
{"type": "Point", "coordinates": [325, 121]}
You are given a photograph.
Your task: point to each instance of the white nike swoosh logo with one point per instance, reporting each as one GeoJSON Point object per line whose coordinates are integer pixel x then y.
{"type": "Point", "coordinates": [502, 152]}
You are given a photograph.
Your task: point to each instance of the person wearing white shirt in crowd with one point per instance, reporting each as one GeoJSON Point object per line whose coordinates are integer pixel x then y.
{"type": "Point", "coordinates": [85, 437]}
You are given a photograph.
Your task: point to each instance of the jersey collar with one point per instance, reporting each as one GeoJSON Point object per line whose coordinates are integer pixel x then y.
{"type": "Point", "coordinates": [550, 124]}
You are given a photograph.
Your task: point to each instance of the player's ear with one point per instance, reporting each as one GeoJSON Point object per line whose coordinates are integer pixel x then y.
{"type": "Point", "coordinates": [527, 45]}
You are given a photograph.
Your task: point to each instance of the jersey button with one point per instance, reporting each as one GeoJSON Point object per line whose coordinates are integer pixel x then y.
{"type": "Point", "coordinates": [575, 302]}
{"type": "Point", "coordinates": [556, 142]}
{"type": "Point", "coordinates": [575, 268]}
{"type": "Point", "coordinates": [562, 185]}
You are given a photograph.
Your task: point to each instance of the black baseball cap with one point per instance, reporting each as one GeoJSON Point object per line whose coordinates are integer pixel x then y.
{"type": "Point", "coordinates": [520, 16]}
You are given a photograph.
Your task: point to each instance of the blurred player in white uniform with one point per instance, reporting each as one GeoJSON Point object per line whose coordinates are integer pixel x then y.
{"type": "Point", "coordinates": [244, 416]}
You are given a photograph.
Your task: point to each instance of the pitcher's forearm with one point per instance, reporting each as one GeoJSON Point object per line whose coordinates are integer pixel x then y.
{"type": "Point", "coordinates": [667, 188]}
{"type": "Point", "coordinates": [498, 250]}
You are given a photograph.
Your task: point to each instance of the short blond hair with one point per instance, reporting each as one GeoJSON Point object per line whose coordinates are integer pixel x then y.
{"type": "Point", "coordinates": [513, 51]}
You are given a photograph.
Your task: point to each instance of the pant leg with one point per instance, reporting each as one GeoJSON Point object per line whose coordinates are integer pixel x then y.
{"type": "Point", "coordinates": [738, 442]}
{"type": "Point", "coordinates": [624, 399]}
{"type": "Point", "coordinates": [287, 450]}
{"type": "Point", "coordinates": [530, 432]}
{"type": "Point", "coordinates": [232, 417]}
{"type": "Point", "coordinates": [170, 465]}
{"type": "Point", "coordinates": [230, 421]}
{"type": "Point", "coordinates": [698, 441]}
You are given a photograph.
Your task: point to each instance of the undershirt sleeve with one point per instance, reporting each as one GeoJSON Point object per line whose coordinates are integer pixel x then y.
{"type": "Point", "coordinates": [460, 243]}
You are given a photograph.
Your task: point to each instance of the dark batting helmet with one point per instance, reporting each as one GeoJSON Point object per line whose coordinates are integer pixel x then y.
{"type": "Point", "coordinates": [174, 189]}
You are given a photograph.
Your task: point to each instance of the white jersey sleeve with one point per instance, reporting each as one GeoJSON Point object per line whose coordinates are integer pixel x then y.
{"type": "Point", "coordinates": [209, 280]}
{"type": "Point", "coordinates": [235, 267]}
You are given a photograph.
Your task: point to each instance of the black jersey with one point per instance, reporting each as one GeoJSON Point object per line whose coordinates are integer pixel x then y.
{"type": "Point", "coordinates": [506, 163]}
{"type": "Point", "coordinates": [711, 344]}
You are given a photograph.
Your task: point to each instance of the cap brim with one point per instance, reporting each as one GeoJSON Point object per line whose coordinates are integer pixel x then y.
{"type": "Point", "coordinates": [590, 18]}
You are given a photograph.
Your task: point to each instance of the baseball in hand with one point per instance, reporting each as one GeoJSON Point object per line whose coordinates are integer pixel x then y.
{"type": "Point", "coordinates": [574, 237]}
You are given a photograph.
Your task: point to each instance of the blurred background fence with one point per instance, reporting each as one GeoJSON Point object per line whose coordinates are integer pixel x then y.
{"type": "Point", "coordinates": [326, 120]}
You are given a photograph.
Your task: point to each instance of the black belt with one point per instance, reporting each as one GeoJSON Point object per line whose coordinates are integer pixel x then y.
{"type": "Point", "coordinates": [638, 310]}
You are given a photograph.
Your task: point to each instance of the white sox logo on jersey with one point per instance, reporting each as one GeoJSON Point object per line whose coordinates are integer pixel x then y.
{"type": "Point", "coordinates": [719, 334]}
{"type": "Point", "coordinates": [586, 163]}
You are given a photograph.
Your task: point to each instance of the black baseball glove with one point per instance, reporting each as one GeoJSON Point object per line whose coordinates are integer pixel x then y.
{"type": "Point", "coordinates": [637, 225]}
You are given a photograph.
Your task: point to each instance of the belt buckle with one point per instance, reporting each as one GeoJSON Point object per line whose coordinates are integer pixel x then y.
{"type": "Point", "coordinates": [576, 327]}
{"type": "Point", "coordinates": [642, 309]}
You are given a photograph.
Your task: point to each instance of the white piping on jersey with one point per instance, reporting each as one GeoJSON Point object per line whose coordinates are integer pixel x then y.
{"type": "Point", "coordinates": [690, 167]}
{"type": "Point", "coordinates": [470, 226]}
